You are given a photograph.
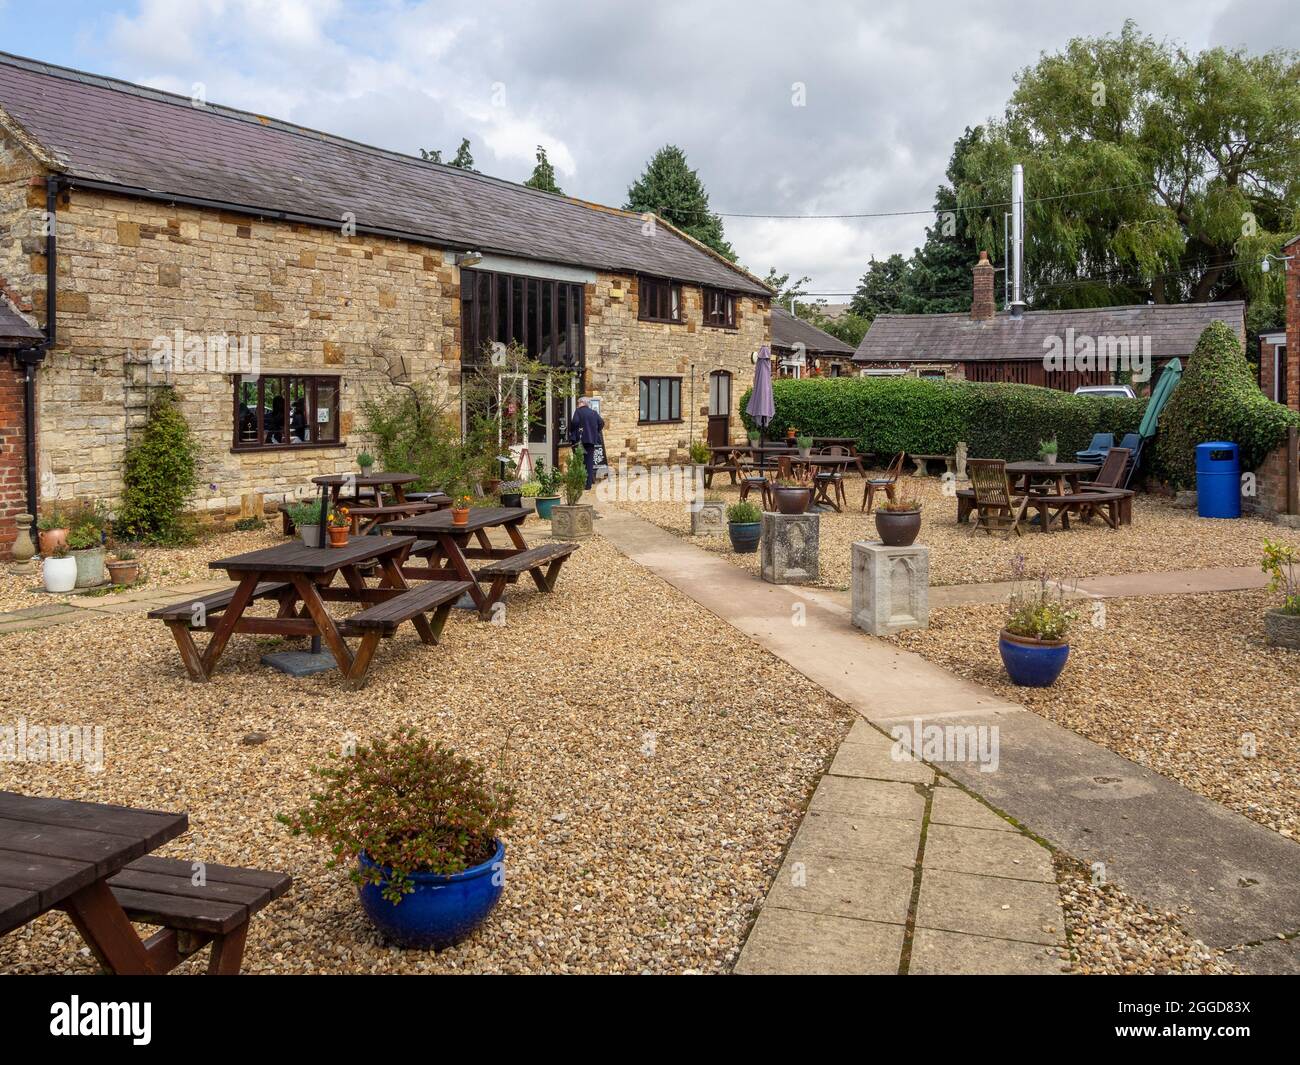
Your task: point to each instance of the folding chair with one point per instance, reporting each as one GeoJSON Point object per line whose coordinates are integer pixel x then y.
{"type": "Point", "coordinates": [996, 509]}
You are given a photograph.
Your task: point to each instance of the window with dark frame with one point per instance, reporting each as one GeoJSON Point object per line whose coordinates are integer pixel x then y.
{"type": "Point", "coordinates": [542, 315]}
{"type": "Point", "coordinates": [719, 308]}
{"type": "Point", "coordinates": [659, 300]}
{"type": "Point", "coordinates": [286, 411]}
{"type": "Point", "coordinates": [661, 400]}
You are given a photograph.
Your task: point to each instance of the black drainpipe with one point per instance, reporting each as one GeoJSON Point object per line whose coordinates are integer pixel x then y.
{"type": "Point", "coordinates": [31, 358]}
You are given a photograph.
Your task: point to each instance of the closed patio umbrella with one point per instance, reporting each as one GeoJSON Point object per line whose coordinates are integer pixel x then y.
{"type": "Point", "coordinates": [761, 407]}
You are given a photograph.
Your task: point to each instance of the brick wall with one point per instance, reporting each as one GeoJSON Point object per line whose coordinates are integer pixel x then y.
{"type": "Point", "coordinates": [1271, 492]}
{"type": "Point", "coordinates": [1293, 324]}
{"type": "Point", "coordinates": [13, 453]}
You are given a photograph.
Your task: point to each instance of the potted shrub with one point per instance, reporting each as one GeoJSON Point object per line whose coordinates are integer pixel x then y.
{"type": "Point", "coordinates": [791, 496]}
{"type": "Point", "coordinates": [366, 461]}
{"type": "Point", "coordinates": [59, 570]}
{"type": "Point", "coordinates": [510, 489]}
{"type": "Point", "coordinates": [791, 435]}
{"type": "Point", "coordinates": [423, 826]}
{"type": "Point", "coordinates": [52, 528]}
{"type": "Point", "coordinates": [305, 517]}
{"type": "Point", "coordinates": [1033, 642]}
{"type": "Point", "coordinates": [804, 444]}
{"type": "Point", "coordinates": [699, 453]}
{"type": "Point", "coordinates": [125, 567]}
{"type": "Point", "coordinates": [528, 493]}
{"type": "Point", "coordinates": [753, 436]}
{"type": "Point", "coordinates": [1047, 450]}
{"type": "Point", "coordinates": [338, 524]}
{"type": "Point", "coordinates": [548, 489]}
{"type": "Point", "coordinates": [898, 520]}
{"type": "Point", "coordinates": [86, 546]}
{"type": "Point", "coordinates": [1282, 624]}
{"type": "Point", "coordinates": [744, 526]}
{"type": "Point", "coordinates": [573, 521]}
{"type": "Point", "coordinates": [460, 505]}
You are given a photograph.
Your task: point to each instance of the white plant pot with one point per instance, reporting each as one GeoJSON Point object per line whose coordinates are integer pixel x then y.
{"type": "Point", "coordinates": [1050, 459]}
{"type": "Point", "coordinates": [310, 535]}
{"type": "Point", "coordinates": [59, 574]}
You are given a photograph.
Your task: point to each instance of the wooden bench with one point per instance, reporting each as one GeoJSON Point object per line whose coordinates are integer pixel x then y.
{"type": "Point", "coordinates": [1055, 510]}
{"type": "Point", "coordinates": [373, 516]}
{"type": "Point", "coordinates": [195, 611]}
{"type": "Point", "coordinates": [503, 571]}
{"type": "Point", "coordinates": [162, 891]}
{"type": "Point", "coordinates": [381, 621]}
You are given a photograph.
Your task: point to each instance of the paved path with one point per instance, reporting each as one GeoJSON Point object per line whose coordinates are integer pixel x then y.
{"type": "Point", "coordinates": [1171, 582]}
{"type": "Point", "coordinates": [88, 607]}
{"type": "Point", "coordinates": [1232, 881]}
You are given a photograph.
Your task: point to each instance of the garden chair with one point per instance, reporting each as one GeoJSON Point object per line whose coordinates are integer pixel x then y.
{"type": "Point", "coordinates": [825, 479]}
{"type": "Point", "coordinates": [1096, 451]}
{"type": "Point", "coordinates": [1112, 476]}
{"type": "Point", "coordinates": [1132, 442]}
{"type": "Point", "coordinates": [996, 509]}
{"type": "Point", "coordinates": [752, 478]}
{"type": "Point", "coordinates": [886, 483]}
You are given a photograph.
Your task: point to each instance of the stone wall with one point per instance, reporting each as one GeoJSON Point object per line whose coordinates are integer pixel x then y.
{"type": "Point", "coordinates": [621, 349]}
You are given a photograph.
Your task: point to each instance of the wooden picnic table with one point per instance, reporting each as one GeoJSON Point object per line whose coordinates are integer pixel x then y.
{"type": "Point", "coordinates": [90, 860]}
{"type": "Point", "coordinates": [376, 482]}
{"type": "Point", "coordinates": [446, 548]}
{"type": "Point", "coordinates": [1024, 474]}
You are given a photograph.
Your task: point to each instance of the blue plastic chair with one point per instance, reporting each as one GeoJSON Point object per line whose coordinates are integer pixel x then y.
{"type": "Point", "coordinates": [1096, 451]}
{"type": "Point", "coordinates": [1132, 441]}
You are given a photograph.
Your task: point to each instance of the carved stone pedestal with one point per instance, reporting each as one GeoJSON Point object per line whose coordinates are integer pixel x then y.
{"type": "Point", "coordinates": [890, 587]}
{"type": "Point", "coordinates": [789, 548]}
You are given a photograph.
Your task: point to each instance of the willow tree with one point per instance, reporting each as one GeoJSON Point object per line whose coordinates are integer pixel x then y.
{"type": "Point", "coordinates": [1190, 164]}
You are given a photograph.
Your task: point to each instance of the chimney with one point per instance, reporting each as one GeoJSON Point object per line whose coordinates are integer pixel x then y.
{"type": "Point", "coordinates": [982, 305]}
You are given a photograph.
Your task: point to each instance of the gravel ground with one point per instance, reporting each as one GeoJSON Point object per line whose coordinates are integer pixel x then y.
{"type": "Point", "coordinates": [159, 566]}
{"type": "Point", "coordinates": [1111, 933]}
{"type": "Point", "coordinates": [1180, 684]}
{"type": "Point", "coordinates": [620, 860]}
{"type": "Point", "coordinates": [1162, 537]}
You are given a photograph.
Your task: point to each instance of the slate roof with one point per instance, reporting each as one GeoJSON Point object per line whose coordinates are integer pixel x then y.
{"type": "Point", "coordinates": [788, 330]}
{"type": "Point", "coordinates": [1174, 329]}
{"type": "Point", "coordinates": [14, 329]}
{"type": "Point", "coordinates": [152, 142]}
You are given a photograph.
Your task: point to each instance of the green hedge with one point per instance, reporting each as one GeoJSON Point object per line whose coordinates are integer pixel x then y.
{"type": "Point", "coordinates": [1217, 399]}
{"type": "Point", "coordinates": [891, 414]}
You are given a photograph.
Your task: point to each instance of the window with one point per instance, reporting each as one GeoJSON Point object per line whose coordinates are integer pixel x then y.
{"type": "Point", "coordinates": [932, 375]}
{"type": "Point", "coordinates": [659, 300]}
{"type": "Point", "coordinates": [282, 411]}
{"type": "Point", "coordinates": [661, 399]}
{"type": "Point", "coordinates": [541, 315]}
{"type": "Point", "coordinates": [719, 308]}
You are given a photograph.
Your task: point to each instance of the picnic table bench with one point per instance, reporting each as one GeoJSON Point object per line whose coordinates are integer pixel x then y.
{"type": "Point", "coordinates": [92, 861]}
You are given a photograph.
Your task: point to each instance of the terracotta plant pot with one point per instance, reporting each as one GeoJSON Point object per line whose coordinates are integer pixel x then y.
{"type": "Point", "coordinates": [898, 528]}
{"type": "Point", "coordinates": [792, 500]}
{"type": "Point", "coordinates": [338, 535]}
{"type": "Point", "coordinates": [52, 540]}
{"type": "Point", "coordinates": [460, 515]}
{"type": "Point", "coordinates": [124, 571]}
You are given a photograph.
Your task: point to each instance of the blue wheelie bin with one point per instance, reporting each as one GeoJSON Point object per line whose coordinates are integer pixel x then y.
{"type": "Point", "coordinates": [1218, 480]}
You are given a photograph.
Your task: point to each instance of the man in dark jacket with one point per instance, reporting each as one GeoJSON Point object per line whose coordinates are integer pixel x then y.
{"type": "Point", "coordinates": [586, 428]}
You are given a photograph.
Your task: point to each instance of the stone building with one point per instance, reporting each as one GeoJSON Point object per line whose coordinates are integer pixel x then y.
{"type": "Point", "coordinates": [276, 277]}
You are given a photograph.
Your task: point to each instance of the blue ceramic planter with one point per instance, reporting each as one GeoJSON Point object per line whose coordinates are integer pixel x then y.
{"type": "Point", "coordinates": [442, 910]}
{"type": "Point", "coordinates": [1031, 663]}
{"type": "Point", "coordinates": [744, 536]}
{"type": "Point", "coordinates": [544, 505]}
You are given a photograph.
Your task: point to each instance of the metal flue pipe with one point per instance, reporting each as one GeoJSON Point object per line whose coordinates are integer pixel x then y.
{"type": "Point", "coordinates": [1017, 240]}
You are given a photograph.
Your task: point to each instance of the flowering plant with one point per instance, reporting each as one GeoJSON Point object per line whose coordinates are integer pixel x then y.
{"type": "Point", "coordinates": [461, 502]}
{"type": "Point", "coordinates": [338, 519]}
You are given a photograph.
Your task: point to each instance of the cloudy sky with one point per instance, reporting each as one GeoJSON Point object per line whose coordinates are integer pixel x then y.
{"type": "Point", "coordinates": [887, 87]}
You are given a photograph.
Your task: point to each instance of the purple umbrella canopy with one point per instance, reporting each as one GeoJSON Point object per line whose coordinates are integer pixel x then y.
{"type": "Point", "coordinates": [761, 406]}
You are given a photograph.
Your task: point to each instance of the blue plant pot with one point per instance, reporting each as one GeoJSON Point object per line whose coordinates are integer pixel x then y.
{"type": "Point", "coordinates": [442, 910]}
{"type": "Point", "coordinates": [1032, 663]}
{"type": "Point", "coordinates": [544, 505]}
{"type": "Point", "coordinates": [744, 536]}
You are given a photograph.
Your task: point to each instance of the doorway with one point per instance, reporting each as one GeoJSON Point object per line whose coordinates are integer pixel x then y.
{"type": "Point", "coordinates": [719, 408]}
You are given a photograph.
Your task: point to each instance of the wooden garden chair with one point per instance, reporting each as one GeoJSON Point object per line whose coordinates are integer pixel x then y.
{"type": "Point", "coordinates": [996, 509]}
{"type": "Point", "coordinates": [1110, 478]}
{"type": "Point", "coordinates": [885, 483]}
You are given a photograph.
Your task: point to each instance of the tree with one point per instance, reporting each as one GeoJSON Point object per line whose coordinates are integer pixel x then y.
{"type": "Point", "coordinates": [669, 188]}
{"type": "Point", "coordinates": [1188, 165]}
{"type": "Point", "coordinates": [543, 176]}
{"type": "Point", "coordinates": [787, 291]}
{"type": "Point", "coordinates": [883, 289]}
{"type": "Point", "coordinates": [463, 159]}
{"type": "Point", "coordinates": [160, 474]}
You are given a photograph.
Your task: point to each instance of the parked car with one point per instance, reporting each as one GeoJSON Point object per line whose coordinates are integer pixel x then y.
{"type": "Point", "coordinates": [1106, 391]}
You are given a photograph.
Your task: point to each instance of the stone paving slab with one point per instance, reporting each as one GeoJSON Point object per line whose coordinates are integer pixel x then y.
{"type": "Point", "coordinates": [870, 761]}
{"type": "Point", "coordinates": [807, 944]}
{"type": "Point", "coordinates": [838, 887]}
{"type": "Point", "coordinates": [936, 953]}
{"type": "Point", "coordinates": [28, 624]}
{"type": "Point", "coordinates": [860, 837]}
{"type": "Point", "coordinates": [44, 610]}
{"type": "Point", "coordinates": [959, 849]}
{"type": "Point", "coordinates": [853, 795]}
{"type": "Point", "coordinates": [991, 906]}
{"type": "Point", "coordinates": [954, 807]}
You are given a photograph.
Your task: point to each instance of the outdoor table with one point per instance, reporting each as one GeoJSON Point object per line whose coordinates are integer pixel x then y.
{"type": "Point", "coordinates": [376, 482]}
{"type": "Point", "coordinates": [58, 854]}
{"type": "Point", "coordinates": [308, 573]}
{"type": "Point", "coordinates": [737, 453]}
{"type": "Point", "coordinates": [1023, 474]}
{"type": "Point", "coordinates": [834, 463]}
{"type": "Point", "coordinates": [449, 556]}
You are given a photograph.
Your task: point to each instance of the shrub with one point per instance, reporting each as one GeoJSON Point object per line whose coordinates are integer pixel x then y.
{"type": "Point", "coordinates": [699, 452]}
{"type": "Point", "coordinates": [743, 513]}
{"type": "Point", "coordinates": [887, 415]}
{"type": "Point", "coordinates": [1217, 399]}
{"type": "Point", "coordinates": [411, 806]}
{"type": "Point", "coordinates": [575, 476]}
{"type": "Point", "coordinates": [160, 473]}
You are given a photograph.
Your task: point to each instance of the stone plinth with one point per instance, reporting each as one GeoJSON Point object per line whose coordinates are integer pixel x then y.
{"type": "Point", "coordinates": [571, 523]}
{"type": "Point", "coordinates": [891, 587]}
{"type": "Point", "coordinates": [789, 548]}
{"type": "Point", "coordinates": [709, 518]}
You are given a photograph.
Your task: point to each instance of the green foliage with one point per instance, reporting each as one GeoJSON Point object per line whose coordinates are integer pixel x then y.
{"type": "Point", "coordinates": [532, 489]}
{"type": "Point", "coordinates": [699, 452]}
{"type": "Point", "coordinates": [1037, 610]}
{"type": "Point", "coordinates": [411, 806]}
{"type": "Point", "coordinates": [250, 524]}
{"type": "Point", "coordinates": [743, 513]}
{"type": "Point", "coordinates": [1279, 562]}
{"type": "Point", "coordinates": [575, 476]}
{"type": "Point", "coordinates": [1217, 399]}
{"type": "Point", "coordinates": [305, 513]}
{"type": "Point", "coordinates": [463, 160]}
{"type": "Point", "coordinates": [84, 536]}
{"type": "Point", "coordinates": [160, 475]}
{"type": "Point", "coordinates": [543, 175]}
{"type": "Point", "coordinates": [671, 189]}
{"type": "Point", "coordinates": [365, 460]}
{"type": "Point", "coordinates": [1047, 447]}
{"type": "Point", "coordinates": [548, 479]}
{"type": "Point", "coordinates": [887, 415]}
